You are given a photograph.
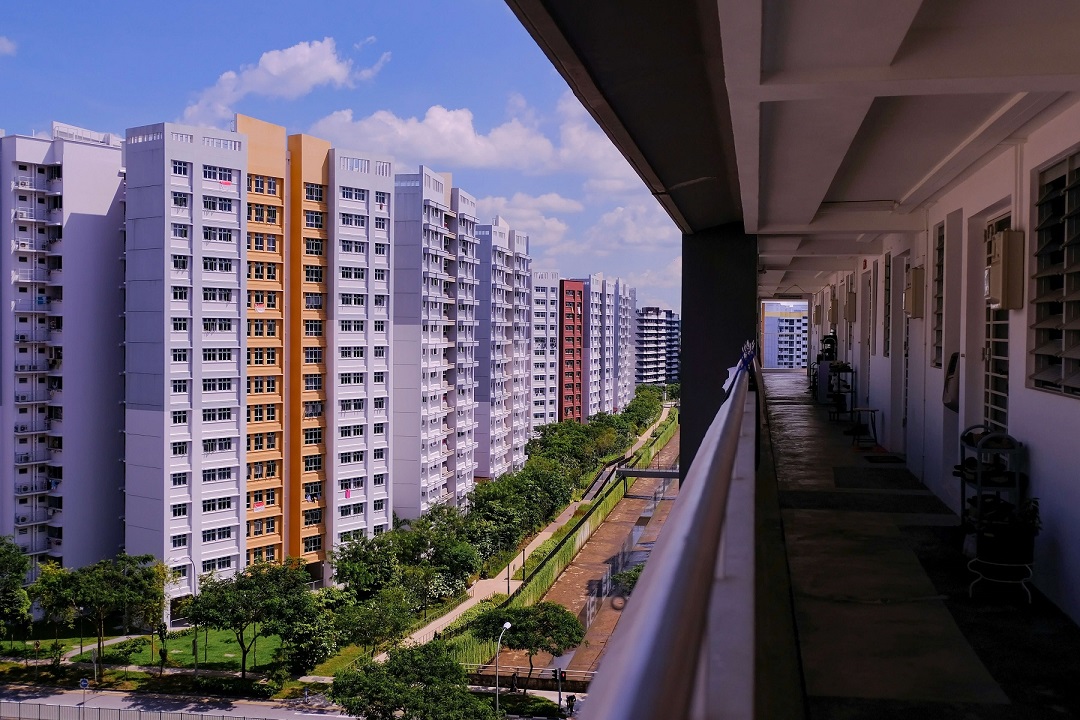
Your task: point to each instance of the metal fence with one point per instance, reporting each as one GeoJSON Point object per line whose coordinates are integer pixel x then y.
{"type": "Point", "coordinates": [39, 711]}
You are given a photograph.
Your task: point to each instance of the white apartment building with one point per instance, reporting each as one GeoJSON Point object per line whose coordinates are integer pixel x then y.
{"type": "Point", "coordinates": [504, 378]}
{"type": "Point", "coordinates": [361, 359]}
{"type": "Point", "coordinates": [61, 200]}
{"type": "Point", "coordinates": [435, 339]}
{"type": "Point", "coordinates": [522, 347]}
{"type": "Point", "coordinates": [465, 351]}
{"type": "Point", "coordinates": [185, 348]}
{"type": "Point", "coordinates": [625, 314]}
{"type": "Point", "coordinates": [657, 332]}
{"type": "Point", "coordinates": [545, 339]}
{"type": "Point", "coordinates": [593, 313]}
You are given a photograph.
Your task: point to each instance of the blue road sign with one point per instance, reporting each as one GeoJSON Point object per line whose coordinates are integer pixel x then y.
{"type": "Point", "coordinates": [84, 683]}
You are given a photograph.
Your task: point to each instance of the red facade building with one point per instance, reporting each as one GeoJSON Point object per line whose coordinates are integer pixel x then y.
{"type": "Point", "coordinates": [571, 338]}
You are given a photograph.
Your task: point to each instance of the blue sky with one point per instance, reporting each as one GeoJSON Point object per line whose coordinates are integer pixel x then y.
{"type": "Point", "coordinates": [459, 86]}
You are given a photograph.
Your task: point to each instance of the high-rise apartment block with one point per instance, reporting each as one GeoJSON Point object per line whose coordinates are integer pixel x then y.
{"type": "Point", "coordinates": [624, 342]}
{"type": "Point", "coordinates": [545, 341]}
{"type": "Point", "coordinates": [436, 276]}
{"type": "Point", "coordinates": [504, 378]}
{"type": "Point", "coordinates": [785, 335]}
{"type": "Point", "coordinates": [62, 198]}
{"type": "Point", "coordinates": [571, 350]}
{"type": "Point", "coordinates": [258, 351]}
{"type": "Point", "coordinates": [657, 333]}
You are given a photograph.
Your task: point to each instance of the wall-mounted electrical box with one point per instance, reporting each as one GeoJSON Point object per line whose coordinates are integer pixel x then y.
{"type": "Point", "coordinates": [831, 316]}
{"type": "Point", "coordinates": [1003, 281]}
{"type": "Point", "coordinates": [914, 286]}
{"type": "Point", "coordinates": [850, 306]}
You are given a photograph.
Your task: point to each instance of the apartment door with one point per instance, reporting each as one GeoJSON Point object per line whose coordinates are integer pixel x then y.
{"type": "Point", "coordinates": [995, 354]}
{"type": "Point", "coordinates": [866, 329]}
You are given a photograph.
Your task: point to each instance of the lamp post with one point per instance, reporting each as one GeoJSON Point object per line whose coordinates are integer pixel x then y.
{"type": "Point", "coordinates": [498, 647]}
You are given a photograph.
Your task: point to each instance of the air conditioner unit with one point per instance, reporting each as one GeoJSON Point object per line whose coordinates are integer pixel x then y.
{"type": "Point", "coordinates": [22, 428]}
{"type": "Point", "coordinates": [1003, 279]}
{"type": "Point", "coordinates": [20, 338]}
{"type": "Point", "coordinates": [24, 488]}
{"type": "Point", "coordinates": [23, 518]}
{"type": "Point", "coordinates": [914, 288]}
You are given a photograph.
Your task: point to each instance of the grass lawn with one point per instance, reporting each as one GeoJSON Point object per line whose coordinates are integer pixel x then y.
{"type": "Point", "coordinates": [20, 645]}
{"type": "Point", "coordinates": [221, 653]}
{"type": "Point", "coordinates": [343, 659]}
{"type": "Point", "coordinates": [523, 705]}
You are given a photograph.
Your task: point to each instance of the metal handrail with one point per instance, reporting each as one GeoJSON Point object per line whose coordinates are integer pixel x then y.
{"type": "Point", "coordinates": [651, 665]}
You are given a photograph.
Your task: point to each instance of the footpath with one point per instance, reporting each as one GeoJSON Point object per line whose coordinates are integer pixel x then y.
{"type": "Point", "coordinates": [503, 582]}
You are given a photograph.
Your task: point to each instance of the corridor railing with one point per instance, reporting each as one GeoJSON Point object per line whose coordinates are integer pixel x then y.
{"type": "Point", "coordinates": [664, 659]}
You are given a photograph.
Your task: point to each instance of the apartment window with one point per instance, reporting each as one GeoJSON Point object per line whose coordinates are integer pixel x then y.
{"type": "Point", "coordinates": [314, 219]}
{"type": "Point", "coordinates": [217, 384]}
{"type": "Point", "coordinates": [217, 445]}
{"type": "Point", "coordinates": [312, 436]}
{"type": "Point", "coordinates": [379, 428]}
{"type": "Point", "coordinates": [179, 479]}
{"type": "Point", "coordinates": [380, 377]}
{"type": "Point", "coordinates": [938, 320]}
{"type": "Point", "coordinates": [213, 172]}
{"type": "Point", "coordinates": [379, 453]}
{"type": "Point", "coordinates": [313, 543]}
{"type": "Point", "coordinates": [313, 274]}
{"type": "Point", "coordinates": [216, 534]}
{"type": "Point", "coordinates": [380, 248]}
{"type": "Point", "coordinates": [180, 324]}
{"type": "Point", "coordinates": [180, 262]}
{"type": "Point", "coordinates": [348, 458]}
{"type": "Point", "coordinates": [180, 230]}
{"type": "Point", "coordinates": [381, 198]}
{"type": "Point", "coordinates": [179, 449]}
{"type": "Point", "coordinates": [349, 272]}
{"type": "Point", "coordinates": [216, 264]}
{"type": "Point", "coordinates": [353, 246]}
{"type": "Point", "coordinates": [181, 168]}
{"type": "Point", "coordinates": [380, 223]}
{"type": "Point", "coordinates": [179, 510]}
{"type": "Point", "coordinates": [347, 431]}
{"type": "Point", "coordinates": [313, 381]}
{"type": "Point", "coordinates": [313, 246]}
{"type": "Point", "coordinates": [351, 405]}
{"type": "Point", "coordinates": [379, 300]}
{"type": "Point", "coordinates": [352, 299]}
{"type": "Point", "coordinates": [216, 294]}
{"type": "Point", "coordinates": [222, 563]}
{"type": "Point", "coordinates": [217, 414]}
{"type": "Point", "coordinates": [378, 505]}
{"type": "Point", "coordinates": [180, 292]}
{"type": "Point", "coordinates": [353, 509]}
{"type": "Point", "coordinates": [313, 301]}
{"type": "Point", "coordinates": [353, 220]}
{"type": "Point", "coordinates": [1056, 279]}
{"type": "Point", "coordinates": [379, 351]}
{"type": "Point", "coordinates": [217, 204]}
{"type": "Point", "coordinates": [312, 517]}
{"type": "Point", "coordinates": [180, 200]}
{"type": "Point", "coordinates": [313, 355]}
{"type": "Point", "coordinates": [217, 504]}
{"type": "Point", "coordinates": [351, 351]}
{"type": "Point", "coordinates": [380, 273]}
{"type": "Point", "coordinates": [351, 325]}
{"type": "Point", "coordinates": [313, 328]}
{"type": "Point", "coordinates": [313, 192]}
{"type": "Point", "coordinates": [351, 378]}
{"type": "Point", "coordinates": [380, 326]}
{"type": "Point", "coordinates": [313, 409]}
{"type": "Point", "coordinates": [179, 417]}
{"type": "Point", "coordinates": [313, 463]}
{"type": "Point", "coordinates": [351, 193]}
{"type": "Point", "coordinates": [380, 403]}
{"type": "Point", "coordinates": [180, 386]}
{"type": "Point", "coordinates": [217, 474]}
{"type": "Point", "coordinates": [379, 479]}
{"type": "Point", "coordinates": [217, 325]}
{"type": "Point", "coordinates": [886, 330]}
{"type": "Point", "coordinates": [216, 234]}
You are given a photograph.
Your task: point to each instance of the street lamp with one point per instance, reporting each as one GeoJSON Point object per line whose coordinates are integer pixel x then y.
{"type": "Point", "coordinates": [498, 646]}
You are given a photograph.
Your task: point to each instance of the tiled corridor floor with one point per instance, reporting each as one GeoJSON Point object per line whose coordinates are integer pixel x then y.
{"type": "Point", "coordinates": [885, 625]}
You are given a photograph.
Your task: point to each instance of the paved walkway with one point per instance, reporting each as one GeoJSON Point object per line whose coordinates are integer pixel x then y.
{"type": "Point", "coordinates": [886, 628]}
{"type": "Point", "coordinates": [503, 582]}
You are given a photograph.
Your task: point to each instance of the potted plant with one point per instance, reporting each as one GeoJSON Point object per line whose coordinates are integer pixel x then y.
{"type": "Point", "coordinates": [1008, 537]}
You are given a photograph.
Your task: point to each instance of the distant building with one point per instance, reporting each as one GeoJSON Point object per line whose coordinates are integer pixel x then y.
{"type": "Point", "coordinates": [545, 340]}
{"type": "Point", "coordinates": [784, 339]}
{"type": "Point", "coordinates": [658, 339]}
{"type": "Point", "coordinates": [571, 349]}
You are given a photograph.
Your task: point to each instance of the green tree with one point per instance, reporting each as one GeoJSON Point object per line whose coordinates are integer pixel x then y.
{"type": "Point", "coordinates": [385, 618]}
{"type": "Point", "coordinates": [673, 391]}
{"type": "Point", "coordinates": [56, 592]}
{"type": "Point", "coordinates": [123, 584]}
{"type": "Point", "coordinates": [14, 600]}
{"type": "Point", "coordinates": [543, 627]}
{"type": "Point", "coordinates": [306, 626]}
{"type": "Point", "coordinates": [366, 565]}
{"type": "Point", "coordinates": [416, 683]}
{"type": "Point", "coordinates": [260, 593]}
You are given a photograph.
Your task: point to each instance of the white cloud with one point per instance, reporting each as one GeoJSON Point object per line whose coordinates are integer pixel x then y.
{"type": "Point", "coordinates": [533, 215]}
{"type": "Point", "coordinates": [442, 137]}
{"type": "Point", "coordinates": [641, 226]}
{"type": "Point", "coordinates": [7, 46]}
{"type": "Point", "coordinates": [653, 278]}
{"type": "Point", "coordinates": [289, 74]}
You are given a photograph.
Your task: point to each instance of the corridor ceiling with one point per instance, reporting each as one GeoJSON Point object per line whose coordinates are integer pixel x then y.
{"type": "Point", "coordinates": [822, 125]}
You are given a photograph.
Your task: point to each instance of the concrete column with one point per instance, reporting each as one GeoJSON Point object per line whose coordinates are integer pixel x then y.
{"type": "Point", "coordinates": [719, 314]}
